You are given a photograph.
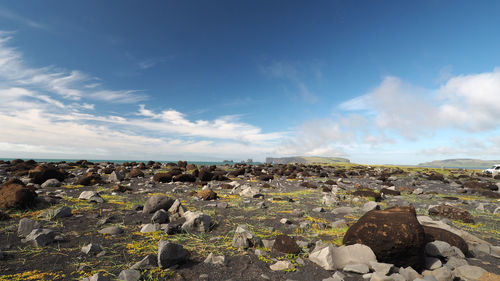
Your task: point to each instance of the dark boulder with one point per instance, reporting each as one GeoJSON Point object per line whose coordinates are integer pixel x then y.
{"type": "Point", "coordinates": [184, 178]}
{"type": "Point", "coordinates": [286, 244]}
{"type": "Point", "coordinates": [90, 178]}
{"type": "Point", "coordinates": [15, 195]}
{"type": "Point", "coordinates": [452, 213]}
{"type": "Point", "coordinates": [162, 177]}
{"type": "Point", "coordinates": [134, 173]}
{"type": "Point", "coordinates": [394, 235]}
{"type": "Point", "coordinates": [390, 192]}
{"type": "Point", "coordinates": [42, 173]}
{"type": "Point", "coordinates": [367, 192]}
{"type": "Point", "coordinates": [205, 175]}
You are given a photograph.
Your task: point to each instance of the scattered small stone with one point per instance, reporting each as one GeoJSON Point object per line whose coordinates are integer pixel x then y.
{"type": "Point", "coordinates": [91, 196]}
{"type": "Point", "coordinates": [469, 272]}
{"type": "Point", "coordinates": [51, 183]}
{"type": "Point", "coordinates": [112, 230]}
{"type": "Point", "coordinates": [286, 244]}
{"type": "Point", "coordinates": [409, 273]}
{"type": "Point", "coordinates": [368, 206]}
{"type": "Point", "coordinates": [40, 237]}
{"type": "Point", "coordinates": [213, 259]}
{"type": "Point", "coordinates": [432, 263]}
{"type": "Point", "coordinates": [282, 265]}
{"type": "Point", "coordinates": [318, 210]}
{"type": "Point", "coordinates": [62, 212]}
{"type": "Point", "coordinates": [91, 249]}
{"type": "Point", "coordinates": [196, 221]}
{"type": "Point", "coordinates": [26, 226]}
{"type": "Point", "coordinates": [343, 210]}
{"type": "Point", "coordinates": [150, 227]}
{"type": "Point", "coordinates": [148, 262]}
{"type": "Point", "coordinates": [243, 238]}
{"type": "Point", "coordinates": [96, 277]}
{"type": "Point", "coordinates": [129, 275]}
{"type": "Point", "coordinates": [170, 254]}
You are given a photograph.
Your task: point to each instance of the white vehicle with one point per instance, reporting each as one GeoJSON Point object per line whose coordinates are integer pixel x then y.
{"type": "Point", "coordinates": [492, 169]}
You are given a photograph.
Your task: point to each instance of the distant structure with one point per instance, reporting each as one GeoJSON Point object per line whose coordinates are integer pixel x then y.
{"type": "Point", "coordinates": [306, 160]}
{"type": "Point", "coordinates": [250, 160]}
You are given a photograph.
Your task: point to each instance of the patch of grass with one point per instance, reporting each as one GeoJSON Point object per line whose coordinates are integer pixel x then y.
{"type": "Point", "coordinates": [72, 186]}
{"type": "Point", "coordinates": [33, 275]}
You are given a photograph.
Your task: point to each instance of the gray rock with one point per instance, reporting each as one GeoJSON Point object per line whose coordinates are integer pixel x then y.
{"type": "Point", "coordinates": [148, 262]}
{"type": "Point", "coordinates": [243, 238]}
{"type": "Point", "coordinates": [322, 255]}
{"type": "Point", "coordinates": [343, 210]}
{"type": "Point", "coordinates": [268, 243]}
{"type": "Point", "coordinates": [438, 249]}
{"type": "Point", "coordinates": [397, 277]}
{"type": "Point", "coordinates": [177, 208]}
{"type": "Point", "coordinates": [116, 176]}
{"type": "Point", "coordinates": [157, 202]}
{"type": "Point", "coordinates": [150, 227]}
{"type": "Point", "coordinates": [51, 183]}
{"type": "Point", "coordinates": [379, 276]}
{"type": "Point", "coordinates": [40, 237]}
{"type": "Point", "coordinates": [409, 273]}
{"type": "Point", "coordinates": [282, 265]}
{"type": "Point", "coordinates": [339, 223]}
{"type": "Point", "coordinates": [285, 221]}
{"type": "Point", "coordinates": [432, 263]}
{"type": "Point", "coordinates": [454, 262]}
{"type": "Point", "coordinates": [160, 216]}
{"type": "Point", "coordinates": [62, 212]}
{"type": "Point", "coordinates": [91, 249]}
{"type": "Point", "coordinates": [318, 210]}
{"type": "Point", "coordinates": [170, 254]}
{"type": "Point", "coordinates": [380, 267]}
{"type": "Point", "coordinates": [91, 196]}
{"type": "Point", "coordinates": [368, 206]}
{"type": "Point", "coordinates": [213, 259]}
{"type": "Point", "coordinates": [250, 192]}
{"type": "Point", "coordinates": [359, 268]}
{"type": "Point", "coordinates": [329, 200]}
{"type": "Point", "coordinates": [262, 205]}
{"type": "Point", "coordinates": [129, 275]}
{"type": "Point", "coordinates": [196, 221]}
{"type": "Point", "coordinates": [468, 272]}
{"type": "Point", "coordinates": [495, 251]}
{"type": "Point", "coordinates": [418, 191]}
{"type": "Point", "coordinates": [26, 226]}
{"type": "Point", "coordinates": [112, 230]}
{"type": "Point", "coordinates": [353, 254]}
{"type": "Point", "coordinates": [442, 274]}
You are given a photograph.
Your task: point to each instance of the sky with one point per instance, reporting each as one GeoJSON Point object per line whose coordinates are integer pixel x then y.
{"type": "Point", "coordinates": [377, 82]}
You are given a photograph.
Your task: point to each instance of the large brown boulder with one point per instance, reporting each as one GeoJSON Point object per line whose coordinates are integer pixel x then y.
{"type": "Point", "coordinates": [207, 194]}
{"type": "Point", "coordinates": [134, 173]}
{"type": "Point", "coordinates": [367, 192]}
{"type": "Point", "coordinates": [394, 235]}
{"type": "Point", "coordinates": [432, 234]}
{"type": "Point", "coordinates": [90, 178]}
{"type": "Point", "coordinates": [184, 178]}
{"type": "Point", "coordinates": [15, 195]}
{"type": "Point", "coordinates": [162, 177]}
{"type": "Point", "coordinates": [452, 213]}
{"type": "Point", "coordinates": [41, 173]}
{"type": "Point", "coordinates": [286, 244]}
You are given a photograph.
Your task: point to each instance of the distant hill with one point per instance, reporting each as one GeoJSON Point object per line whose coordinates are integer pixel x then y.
{"type": "Point", "coordinates": [306, 160]}
{"type": "Point", "coordinates": [461, 163]}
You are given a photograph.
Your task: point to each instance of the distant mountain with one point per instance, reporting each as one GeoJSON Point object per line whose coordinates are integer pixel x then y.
{"type": "Point", "coordinates": [306, 160]}
{"type": "Point", "coordinates": [460, 163]}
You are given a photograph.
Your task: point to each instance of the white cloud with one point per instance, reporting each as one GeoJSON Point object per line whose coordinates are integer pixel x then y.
{"type": "Point", "coordinates": [290, 72]}
{"type": "Point", "coordinates": [10, 15]}
{"type": "Point", "coordinates": [72, 85]}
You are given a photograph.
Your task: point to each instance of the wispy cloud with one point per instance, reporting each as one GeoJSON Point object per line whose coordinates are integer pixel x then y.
{"type": "Point", "coordinates": [11, 15]}
{"type": "Point", "coordinates": [290, 72]}
{"type": "Point", "coordinates": [46, 112]}
{"type": "Point", "coordinates": [72, 85]}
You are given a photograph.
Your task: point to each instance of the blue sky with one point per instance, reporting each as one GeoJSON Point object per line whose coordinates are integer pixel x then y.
{"type": "Point", "coordinates": [374, 81]}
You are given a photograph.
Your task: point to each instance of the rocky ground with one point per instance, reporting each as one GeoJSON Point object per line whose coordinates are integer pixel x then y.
{"type": "Point", "coordinates": [136, 221]}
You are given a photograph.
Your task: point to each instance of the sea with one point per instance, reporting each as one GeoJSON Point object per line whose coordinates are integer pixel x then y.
{"type": "Point", "coordinates": [198, 163]}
